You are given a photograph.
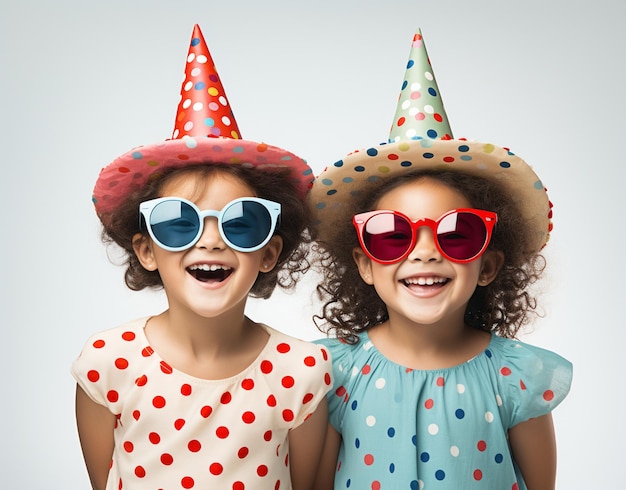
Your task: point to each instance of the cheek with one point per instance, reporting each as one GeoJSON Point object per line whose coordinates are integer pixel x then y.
{"type": "Point", "coordinates": [382, 275]}
{"type": "Point", "coordinates": [252, 262]}
{"type": "Point", "coordinates": [470, 273]}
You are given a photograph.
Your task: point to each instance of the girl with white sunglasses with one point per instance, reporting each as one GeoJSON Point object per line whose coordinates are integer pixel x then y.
{"type": "Point", "coordinates": [200, 395]}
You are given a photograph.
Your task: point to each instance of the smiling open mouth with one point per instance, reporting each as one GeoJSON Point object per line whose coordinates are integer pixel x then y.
{"type": "Point", "coordinates": [210, 273]}
{"type": "Point", "coordinates": [425, 281]}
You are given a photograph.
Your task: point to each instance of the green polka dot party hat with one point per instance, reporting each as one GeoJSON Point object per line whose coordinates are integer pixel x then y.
{"type": "Point", "coordinates": [420, 138]}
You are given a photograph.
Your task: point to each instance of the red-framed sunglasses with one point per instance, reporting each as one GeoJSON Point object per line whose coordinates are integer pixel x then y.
{"type": "Point", "coordinates": [461, 235]}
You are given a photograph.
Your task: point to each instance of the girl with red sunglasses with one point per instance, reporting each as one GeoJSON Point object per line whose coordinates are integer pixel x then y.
{"type": "Point", "coordinates": [429, 247]}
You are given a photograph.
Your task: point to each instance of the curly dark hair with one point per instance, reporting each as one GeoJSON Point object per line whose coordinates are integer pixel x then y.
{"type": "Point", "coordinates": [120, 226]}
{"type": "Point", "coordinates": [503, 307]}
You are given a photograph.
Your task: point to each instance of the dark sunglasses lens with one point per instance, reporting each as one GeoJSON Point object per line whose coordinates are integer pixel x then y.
{"type": "Point", "coordinates": [247, 224]}
{"type": "Point", "coordinates": [387, 236]}
{"type": "Point", "coordinates": [461, 235]}
{"type": "Point", "coordinates": [174, 223]}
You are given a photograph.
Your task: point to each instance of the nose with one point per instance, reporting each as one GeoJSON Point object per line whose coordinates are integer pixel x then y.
{"type": "Point", "coordinates": [210, 239]}
{"type": "Point", "coordinates": [425, 249]}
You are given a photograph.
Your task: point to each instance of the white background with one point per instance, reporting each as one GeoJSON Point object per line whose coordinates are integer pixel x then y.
{"type": "Point", "coordinates": [84, 81]}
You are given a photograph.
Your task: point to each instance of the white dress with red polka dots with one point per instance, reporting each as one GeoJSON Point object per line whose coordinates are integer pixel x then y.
{"type": "Point", "coordinates": [175, 431]}
{"type": "Point", "coordinates": [440, 429]}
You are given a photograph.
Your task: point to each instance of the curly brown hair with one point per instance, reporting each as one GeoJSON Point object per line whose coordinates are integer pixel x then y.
{"type": "Point", "coordinates": [120, 226]}
{"type": "Point", "coordinates": [350, 306]}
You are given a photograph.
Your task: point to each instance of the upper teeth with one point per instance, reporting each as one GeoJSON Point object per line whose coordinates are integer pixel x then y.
{"type": "Point", "coordinates": [207, 267]}
{"type": "Point", "coordinates": [425, 281]}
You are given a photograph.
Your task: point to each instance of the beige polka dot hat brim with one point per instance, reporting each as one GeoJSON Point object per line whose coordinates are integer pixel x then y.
{"type": "Point", "coordinates": [205, 132]}
{"type": "Point", "coordinates": [421, 139]}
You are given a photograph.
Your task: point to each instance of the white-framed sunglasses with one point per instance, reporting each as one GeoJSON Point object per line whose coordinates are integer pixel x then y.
{"type": "Point", "coordinates": [245, 224]}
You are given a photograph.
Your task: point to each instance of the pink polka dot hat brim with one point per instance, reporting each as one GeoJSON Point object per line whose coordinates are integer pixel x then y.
{"type": "Point", "coordinates": [132, 170]}
{"type": "Point", "coordinates": [335, 190]}
{"type": "Point", "coordinates": [205, 132]}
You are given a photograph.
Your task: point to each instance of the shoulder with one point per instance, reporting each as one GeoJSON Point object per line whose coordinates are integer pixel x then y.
{"type": "Point", "coordinates": [340, 346]}
{"type": "Point", "coordinates": [107, 358]}
{"type": "Point", "coordinates": [346, 355]}
{"type": "Point", "coordinates": [298, 372]}
{"type": "Point", "coordinates": [527, 357]}
{"type": "Point", "coordinates": [286, 344]}
{"type": "Point", "coordinates": [125, 334]}
{"type": "Point", "coordinates": [301, 357]}
{"type": "Point", "coordinates": [112, 348]}
{"type": "Point", "coordinates": [115, 341]}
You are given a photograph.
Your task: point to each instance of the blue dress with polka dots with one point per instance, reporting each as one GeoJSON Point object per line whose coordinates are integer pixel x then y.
{"type": "Point", "coordinates": [406, 429]}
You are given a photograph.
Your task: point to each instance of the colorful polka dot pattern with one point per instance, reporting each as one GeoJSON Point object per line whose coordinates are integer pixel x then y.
{"type": "Point", "coordinates": [205, 132]}
{"type": "Point", "coordinates": [132, 170]}
{"type": "Point", "coordinates": [421, 138]}
{"type": "Point", "coordinates": [177, 431]}
{"type": "Point", "coordinates": [203, 109]}
{"type": "Point", "coordinates": [404, 428]}
{"type": "Point", "coordinates": [334, 190]}
{"type": "Point", "coordinates": [420, 112]}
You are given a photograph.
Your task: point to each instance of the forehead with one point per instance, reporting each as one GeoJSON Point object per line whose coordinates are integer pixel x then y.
{"type": "Point", "coordinates": [423, 198]}
{"type": "Point", "coordinates": [215, 187]}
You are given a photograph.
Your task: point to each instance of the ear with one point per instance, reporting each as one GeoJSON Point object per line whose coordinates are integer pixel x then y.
{"type": "Point", "coordinates": [492, 261]}
{"type": "Point", "coordinates": [364, 264]}
{"type": "Point", "coordinates": [142, 245]}
{"type": "Point", "coordinates": [271, 252]}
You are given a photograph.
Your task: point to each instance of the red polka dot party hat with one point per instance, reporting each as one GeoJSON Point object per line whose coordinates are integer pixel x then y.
{"type": "Point", "coordinates": [205, 132]}
{"type": "Point", "coordinates": [421, 138]}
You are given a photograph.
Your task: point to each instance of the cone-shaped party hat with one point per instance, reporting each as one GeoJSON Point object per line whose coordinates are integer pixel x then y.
{"type": "Point", "coordinates": [203, 109]}
{"type": "Point", "coordinates": [205, 132]}
{"type": "Point", "coordinates": [420, 139]}
{"type": "Point", "coordinates": [420, 112]}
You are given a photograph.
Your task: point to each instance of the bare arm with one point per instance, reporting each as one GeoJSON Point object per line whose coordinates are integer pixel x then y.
{"type": "Point", "coordinates": [534, 449]}
{"type": "Point", "coordinates": [305, 448]}
{"type": "Point", "coordinates": [95, 429]}
{"type": "Point", "coordinates": [325, 478]}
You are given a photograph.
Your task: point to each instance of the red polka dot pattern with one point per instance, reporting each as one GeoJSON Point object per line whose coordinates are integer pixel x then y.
{"type": "Point", "coordinates": [176, 431]}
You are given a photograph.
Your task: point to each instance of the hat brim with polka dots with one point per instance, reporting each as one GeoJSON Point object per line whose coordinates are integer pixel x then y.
{"type": "Point", "coordinates": [205, 132]}
{"type": "Point", "coordinates": [421, 139]}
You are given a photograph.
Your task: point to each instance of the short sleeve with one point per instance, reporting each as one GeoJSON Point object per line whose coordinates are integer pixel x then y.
{"type": "Point", "coordinates": [342, 361]}
{"type": "Point", "coordinates": [313, 387]}
{"type": "Point", "coordinates": [87, 370]}
{"type": "Point", "coordinates": [534, 381]}
{"type": "Point", "coordinates": [102, 366]}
